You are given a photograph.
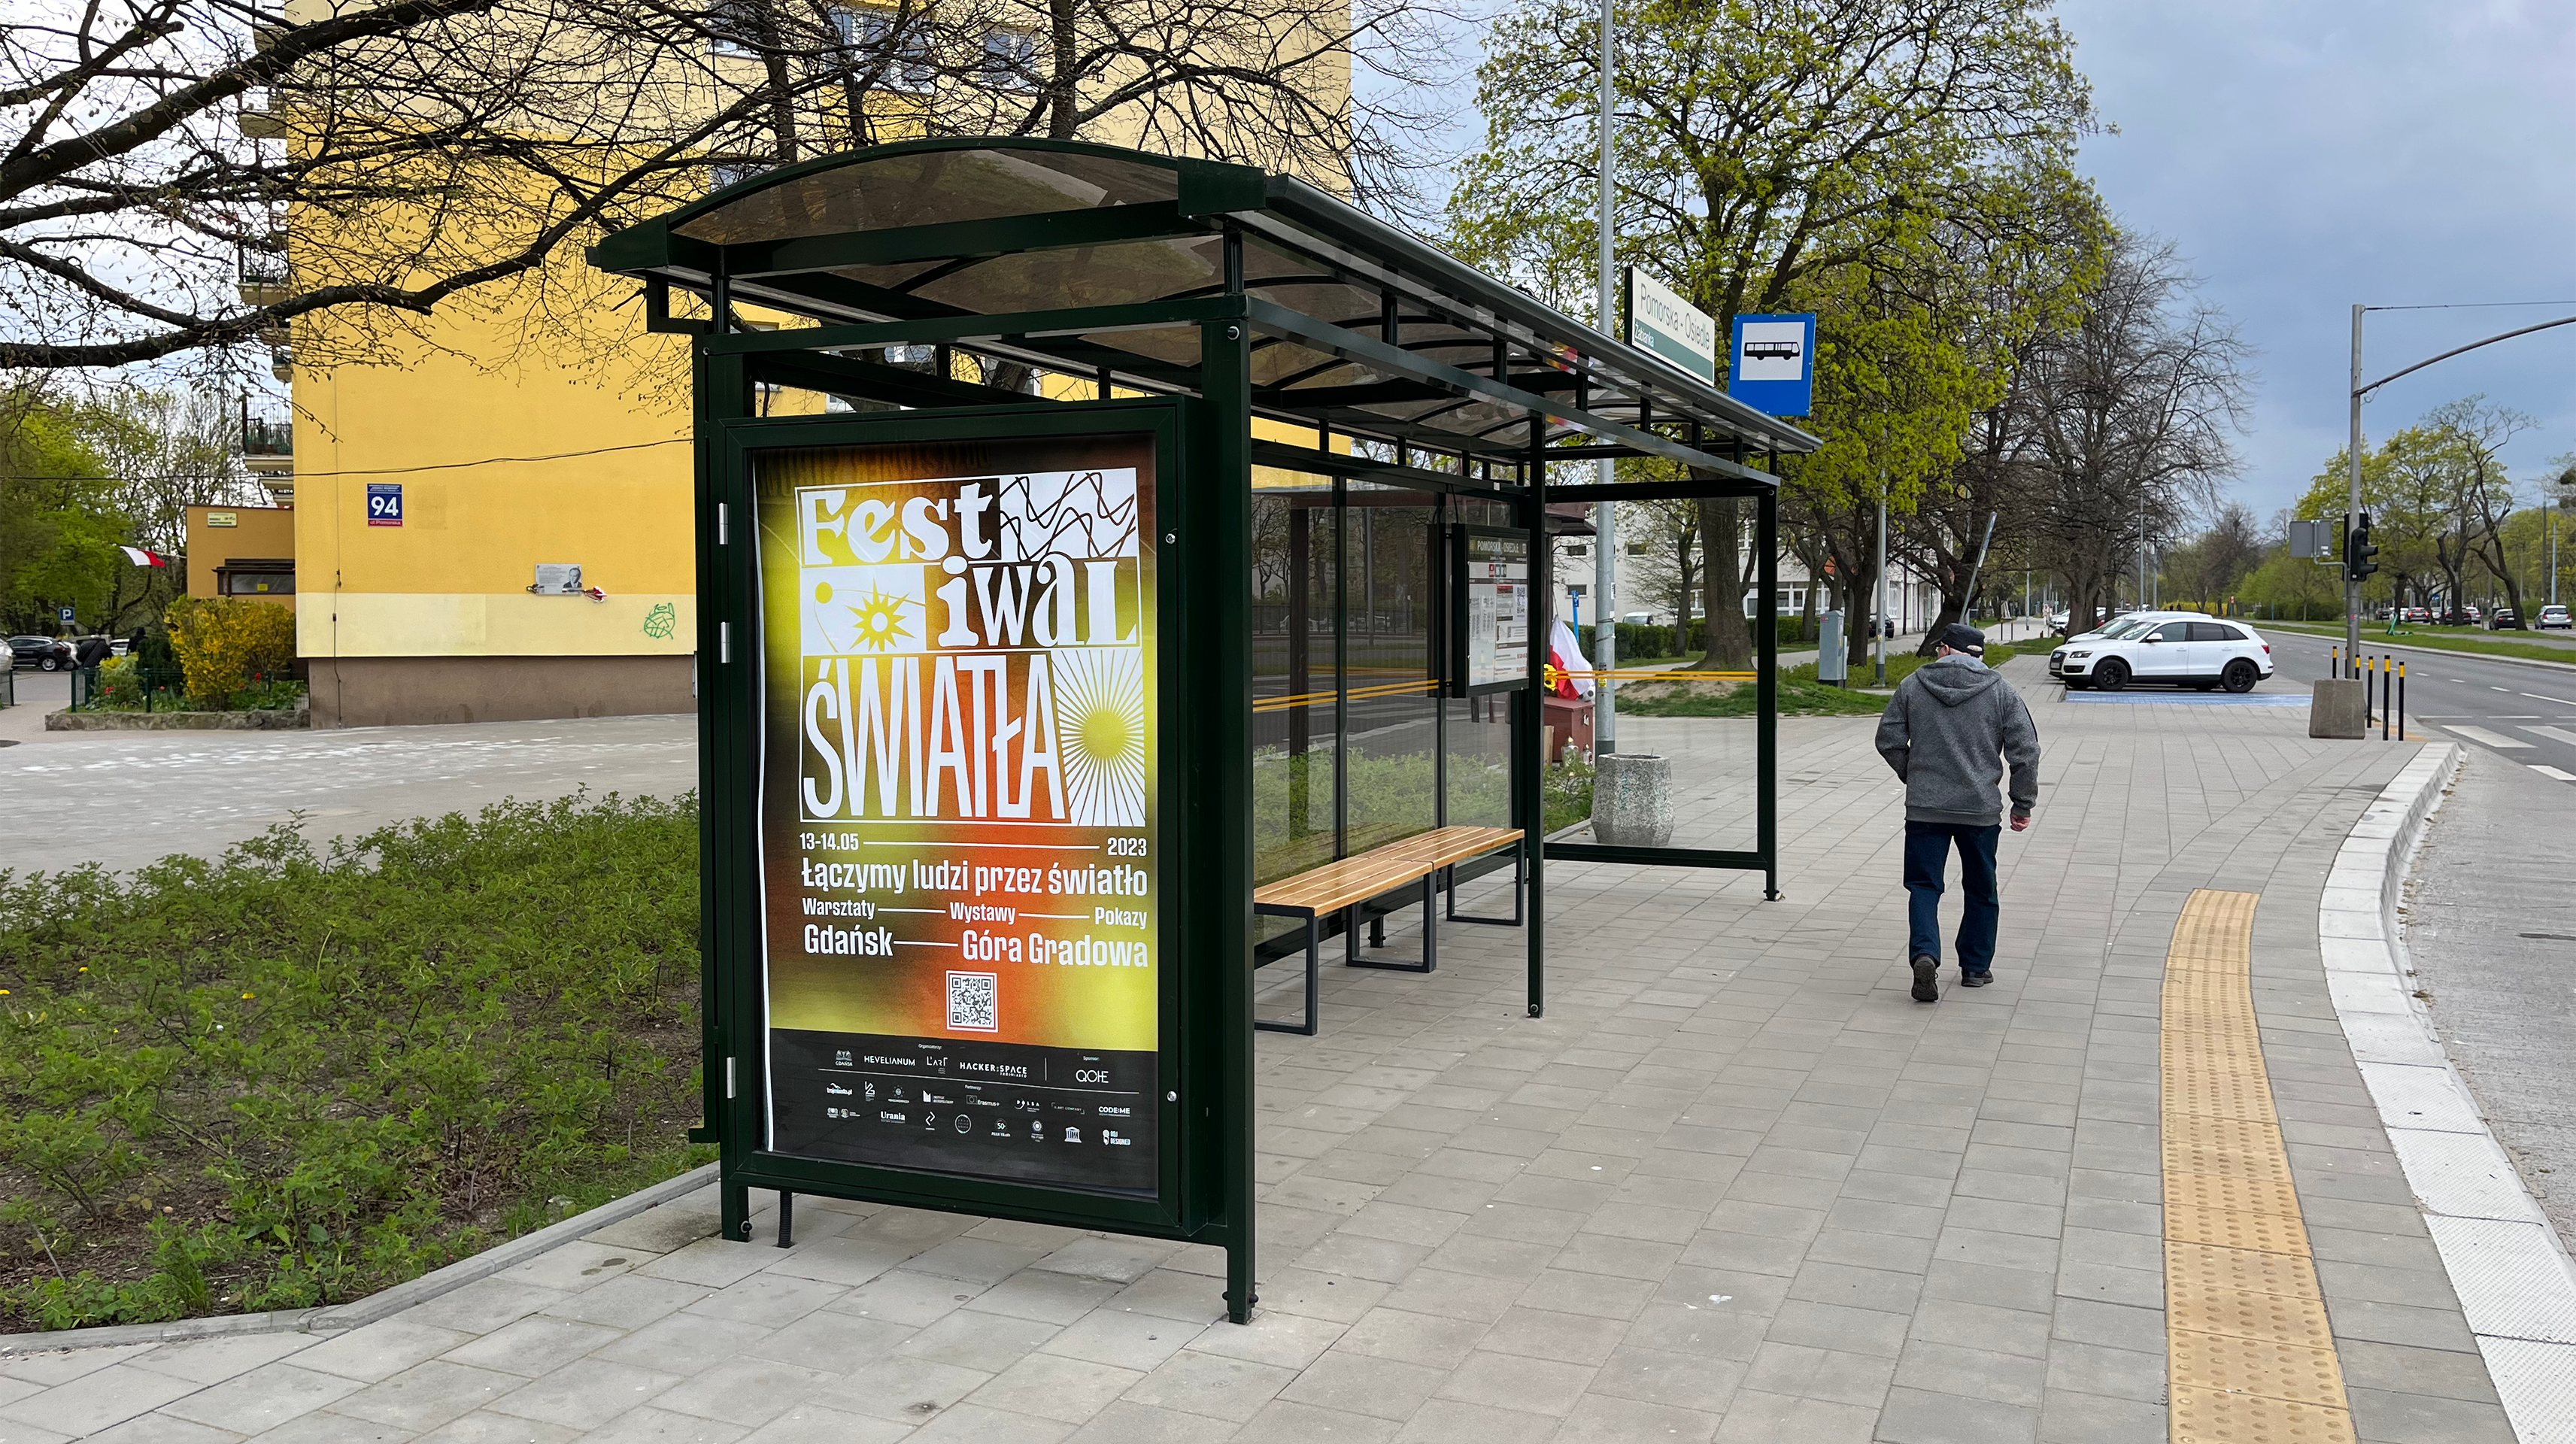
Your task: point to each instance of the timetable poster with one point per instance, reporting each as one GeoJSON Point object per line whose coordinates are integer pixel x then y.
{"type": "Point", "coordinates": [958, 823]}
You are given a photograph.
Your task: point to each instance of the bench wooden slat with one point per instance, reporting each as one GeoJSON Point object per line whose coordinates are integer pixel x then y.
{"type": "Point", "coordinates": [1337, 885]}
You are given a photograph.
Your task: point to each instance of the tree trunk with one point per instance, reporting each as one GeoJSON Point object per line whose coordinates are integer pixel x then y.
{"type": "Point", "coordinates": [1730, 641]}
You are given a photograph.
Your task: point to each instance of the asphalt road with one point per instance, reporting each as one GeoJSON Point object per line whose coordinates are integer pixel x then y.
{"type": "Point", "coordinates": [2491, 921]}
{"type": "Point", "coordinates": [2520, 715]}
{"type": "Point", "coordinates": [123, 799]}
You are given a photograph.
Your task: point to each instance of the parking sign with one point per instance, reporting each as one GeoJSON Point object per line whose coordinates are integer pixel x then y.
{"type": "Point", "coordinates": [384, 503]}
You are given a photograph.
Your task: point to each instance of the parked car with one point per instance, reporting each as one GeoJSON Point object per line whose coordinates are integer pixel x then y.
{"type": "Point", "coordinates": [2554, 618]}
{"type": "Point", "coordinates": [2474, 615]}
{"type": "Point", "coordinates": [2504, 619]}
{"type": "Point", "coordinates": [2187, 651]}
{"type": "Point", "coordinates": [45, 654]}
{"type": "Point", "coordinates": [2417, 614]}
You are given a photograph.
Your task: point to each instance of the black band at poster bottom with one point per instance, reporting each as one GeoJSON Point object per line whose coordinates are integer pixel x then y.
{"type": "Point", "coordinates": [1068, 1117]}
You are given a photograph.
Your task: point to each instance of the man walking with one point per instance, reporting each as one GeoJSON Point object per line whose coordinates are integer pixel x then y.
{"type": "Point", "coordinates": [1948, 732]}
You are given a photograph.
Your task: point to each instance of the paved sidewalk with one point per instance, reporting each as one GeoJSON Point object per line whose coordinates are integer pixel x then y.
{"type": "Point", "coordinates": [1734, 1186]}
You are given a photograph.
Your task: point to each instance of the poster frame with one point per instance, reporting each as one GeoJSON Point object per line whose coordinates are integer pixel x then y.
{"type": "Point", "coordinates": [1459, 532]}
{"type": "Point", "coordinates": [1197, 1198]}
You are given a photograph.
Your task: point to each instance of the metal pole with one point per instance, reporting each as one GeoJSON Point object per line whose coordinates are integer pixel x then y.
{"type": "Point", "coordinates": [1978, 566]}
{"type": "Point", "coordinates": [1878, 623]}
{"type": "Point", "coordinates": [1605, 522]}
{"type": "Point", "coordinates": [2352, 510]}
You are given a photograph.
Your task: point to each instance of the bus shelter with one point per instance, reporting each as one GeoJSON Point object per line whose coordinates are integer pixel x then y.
{"type": "Point", "coordinates": [1103, 557]}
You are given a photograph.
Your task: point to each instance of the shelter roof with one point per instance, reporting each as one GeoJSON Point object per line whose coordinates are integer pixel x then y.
{"type": "Point", "coordinates": [1102, 263]}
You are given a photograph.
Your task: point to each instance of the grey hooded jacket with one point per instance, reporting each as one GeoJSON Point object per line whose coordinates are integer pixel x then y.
{"type": "Point", "coordinates": [1948, 732]}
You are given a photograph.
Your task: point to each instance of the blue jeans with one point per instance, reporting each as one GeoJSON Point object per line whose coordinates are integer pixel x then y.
{"type": "Point", "coordinates": [1927, 857]}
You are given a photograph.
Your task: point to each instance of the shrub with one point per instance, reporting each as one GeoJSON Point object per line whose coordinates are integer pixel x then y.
{"type": "Point", "coordinates": [289, 1077]}
{"type": "Point", "coordinates": [225, 643]}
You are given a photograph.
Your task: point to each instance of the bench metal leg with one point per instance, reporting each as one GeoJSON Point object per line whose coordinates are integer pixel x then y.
{"type": "Point", "coordinates": [786, 1219]}
{"type": "Point", "coordinates": [1430, 937]}
{"type": "Point", "coordinates": [1314, 983]}
{"type": "Point", "coordinates": [1520, 890]}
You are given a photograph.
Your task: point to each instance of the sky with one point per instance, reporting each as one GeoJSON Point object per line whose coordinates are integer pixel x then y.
{"type": "Point", "coordinates": [2304, 155]}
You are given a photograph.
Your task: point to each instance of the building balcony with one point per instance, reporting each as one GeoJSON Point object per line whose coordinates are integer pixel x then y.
{"type": "Point", "coordinates": [261, 121]}
{"type": "Point", "coordinates": [268, 446]}
{"type": "Point", "coordinates": [265, 279]}
{"type": "Point", "coordinates": [281, 362]}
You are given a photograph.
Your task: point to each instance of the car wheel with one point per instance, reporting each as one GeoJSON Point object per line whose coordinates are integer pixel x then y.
{"type": "Point", "coordinates": [48, 664]}
{"type": "Point", "coordinates": [2240, 676]}
{"type": "Point", "coordinates": [2112, 675]}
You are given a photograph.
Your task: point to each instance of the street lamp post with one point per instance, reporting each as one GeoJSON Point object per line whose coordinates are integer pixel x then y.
{"type": "Point", "coordinates": [1605, 521]}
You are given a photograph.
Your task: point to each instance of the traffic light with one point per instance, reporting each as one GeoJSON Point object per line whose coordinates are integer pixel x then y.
{"type": "Point", "coordinates": [2358, 554]}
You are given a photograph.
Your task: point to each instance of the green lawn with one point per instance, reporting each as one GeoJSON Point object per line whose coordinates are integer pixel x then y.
{"type": "Point", "coordinates": [290, 1077]}
{"type": "Point", "coordinates": [1801, 695]}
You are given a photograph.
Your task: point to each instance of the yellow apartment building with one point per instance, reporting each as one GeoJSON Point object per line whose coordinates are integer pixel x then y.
{"type": "Point", "coordinates": [444, 491]}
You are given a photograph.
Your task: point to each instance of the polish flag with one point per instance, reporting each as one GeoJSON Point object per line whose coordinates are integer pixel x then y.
{"type": "Point", "coordinates": [1573, 673]}
{"type": "Point", "coordinates": [142, 558]}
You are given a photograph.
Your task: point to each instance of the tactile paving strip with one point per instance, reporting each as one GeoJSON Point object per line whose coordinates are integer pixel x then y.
{"type": "Point", "coordinates": [2250, 1354]}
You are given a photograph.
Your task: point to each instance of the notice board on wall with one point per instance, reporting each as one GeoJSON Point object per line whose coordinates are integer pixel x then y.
{"type": "Point", "coordinates": [1492, 585]}
{"type": "Point", "coordinates": [960, 832]}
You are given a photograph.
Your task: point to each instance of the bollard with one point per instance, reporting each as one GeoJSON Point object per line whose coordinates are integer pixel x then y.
{"type": "Point", "coordinates": [2334, 661]}
{"type": "Point", "coordinates": [2401, 701]}
{"type": "Point", "coordinates": [2387, 681]}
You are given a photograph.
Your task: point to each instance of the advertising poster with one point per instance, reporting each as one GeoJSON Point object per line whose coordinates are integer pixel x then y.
{"type": "Point", "coordinates": [959, 844]}
{"type": "Point", "coordinates": [1496, 587]}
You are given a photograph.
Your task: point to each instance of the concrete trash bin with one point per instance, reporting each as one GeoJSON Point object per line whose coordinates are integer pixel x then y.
{"type": "Point", "coordinates": [2339, 708]}
{"type": "Point", "coordinates": [1632, 800]}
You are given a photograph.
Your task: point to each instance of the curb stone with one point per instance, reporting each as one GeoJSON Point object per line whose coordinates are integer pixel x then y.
{"type": "Point", "coordinates": [2516, 1284]}
{"type": "Point", "coordinates": [332, 1318]}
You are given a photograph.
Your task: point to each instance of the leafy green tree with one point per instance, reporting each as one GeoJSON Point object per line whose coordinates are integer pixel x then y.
{"type": "Point", "coordinates": [1802, 155]}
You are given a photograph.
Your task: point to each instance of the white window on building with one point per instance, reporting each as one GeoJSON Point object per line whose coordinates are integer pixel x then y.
{"type": "Point", "coordinates": [1010, 61]}
{"type": "Point", "coordinates": [891, 58]}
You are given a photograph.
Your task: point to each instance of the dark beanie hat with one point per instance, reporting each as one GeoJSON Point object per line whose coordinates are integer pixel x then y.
{"type": "Point", "coordinates": [1960, 637]}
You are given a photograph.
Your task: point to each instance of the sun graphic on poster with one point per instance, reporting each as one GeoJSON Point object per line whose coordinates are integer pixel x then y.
{"type": "Point", "coordinates": [1100, 733]}
{"type": "Point", "coordinates": [880, 619]}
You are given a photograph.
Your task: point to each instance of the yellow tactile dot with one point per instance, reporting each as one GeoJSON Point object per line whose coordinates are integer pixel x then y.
{"type": "Point", "coordinates": [2251, 1270]}
{"type": "Point", "coordinates": [2227, 1228]}
{"type": "Point", "coordinates": [2237, 1195]}
{"type": "Point", "coordinates": [2250, 1353]}
{"type": "Point", "coordinates": [2211, 1416]}
{"type": "Point", "coordinates": [2210, 1308]}
{"type": "Point", "coordinates": [2240, 1365]}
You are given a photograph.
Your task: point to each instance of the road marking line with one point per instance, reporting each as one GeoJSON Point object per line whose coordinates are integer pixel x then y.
{"type": "Point", "coordinates": [2551, 772]}
{"type": "Point", "coordinates": [2554, 734]}
{"type": "Point", "coordinates": [2249, 1352]}
{"type": "Point", "coordinates": [2561, 701]}
{"type": "Point", "coordinates": [2482, 735]}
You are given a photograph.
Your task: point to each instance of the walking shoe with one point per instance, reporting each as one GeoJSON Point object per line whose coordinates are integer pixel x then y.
{"type": "Point", "coordinates": [1927, 985]}
{"type": "Point", "coordinates": [1974, 980]}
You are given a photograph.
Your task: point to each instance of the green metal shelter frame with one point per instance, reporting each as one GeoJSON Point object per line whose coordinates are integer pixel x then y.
{"type": "Point", "coordinates": [1091, 283]}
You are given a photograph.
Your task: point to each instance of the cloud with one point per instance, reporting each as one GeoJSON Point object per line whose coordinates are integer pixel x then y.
{"type": "Point", "coordinates": [2306, 155]}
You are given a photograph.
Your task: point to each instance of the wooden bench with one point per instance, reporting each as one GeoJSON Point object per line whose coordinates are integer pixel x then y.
{"type": "Point", "coordinates": [1342, 886]}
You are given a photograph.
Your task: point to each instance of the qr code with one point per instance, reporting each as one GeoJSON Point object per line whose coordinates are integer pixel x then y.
{"type": "Point", "coordinates": [975, 1002]}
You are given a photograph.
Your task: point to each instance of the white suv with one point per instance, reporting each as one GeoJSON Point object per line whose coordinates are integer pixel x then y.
{"type": "Point", "coordinates": [2185, 650]}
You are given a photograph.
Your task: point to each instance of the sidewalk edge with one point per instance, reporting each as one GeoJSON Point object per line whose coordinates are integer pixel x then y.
{"type": "Point", "coordinates": [2516, 1284]}
{"type": "Point", "coordinates": [335, 1317]}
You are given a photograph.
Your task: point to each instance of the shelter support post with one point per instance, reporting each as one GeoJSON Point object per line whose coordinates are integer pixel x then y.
{"type": "Point", "coordinates": [1220, 521]}
{"type": "Point", "coordinates": [1766, 683]}
{"type": "Point", "coordinates": [1532, 701]}
{"type": "Point", "coordinates": [727, 734]}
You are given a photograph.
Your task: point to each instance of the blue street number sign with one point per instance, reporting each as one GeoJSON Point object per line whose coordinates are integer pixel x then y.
{"type": "Point", "coordinates": [384, 503]}
{"type": "Point", "coordinates": [1775, 364]}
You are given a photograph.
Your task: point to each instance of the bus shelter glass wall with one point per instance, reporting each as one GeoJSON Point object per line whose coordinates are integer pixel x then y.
{"type": "Point", "coordinates": [1389, 542]}
{"type": "Point", "coordinates": [1478, 730]}
{"type": "Point", "coordinates": [1296, 676]}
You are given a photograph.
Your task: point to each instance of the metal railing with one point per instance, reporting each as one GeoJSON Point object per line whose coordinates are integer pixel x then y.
{"type": "Point", "coordinates": [262, 436]}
